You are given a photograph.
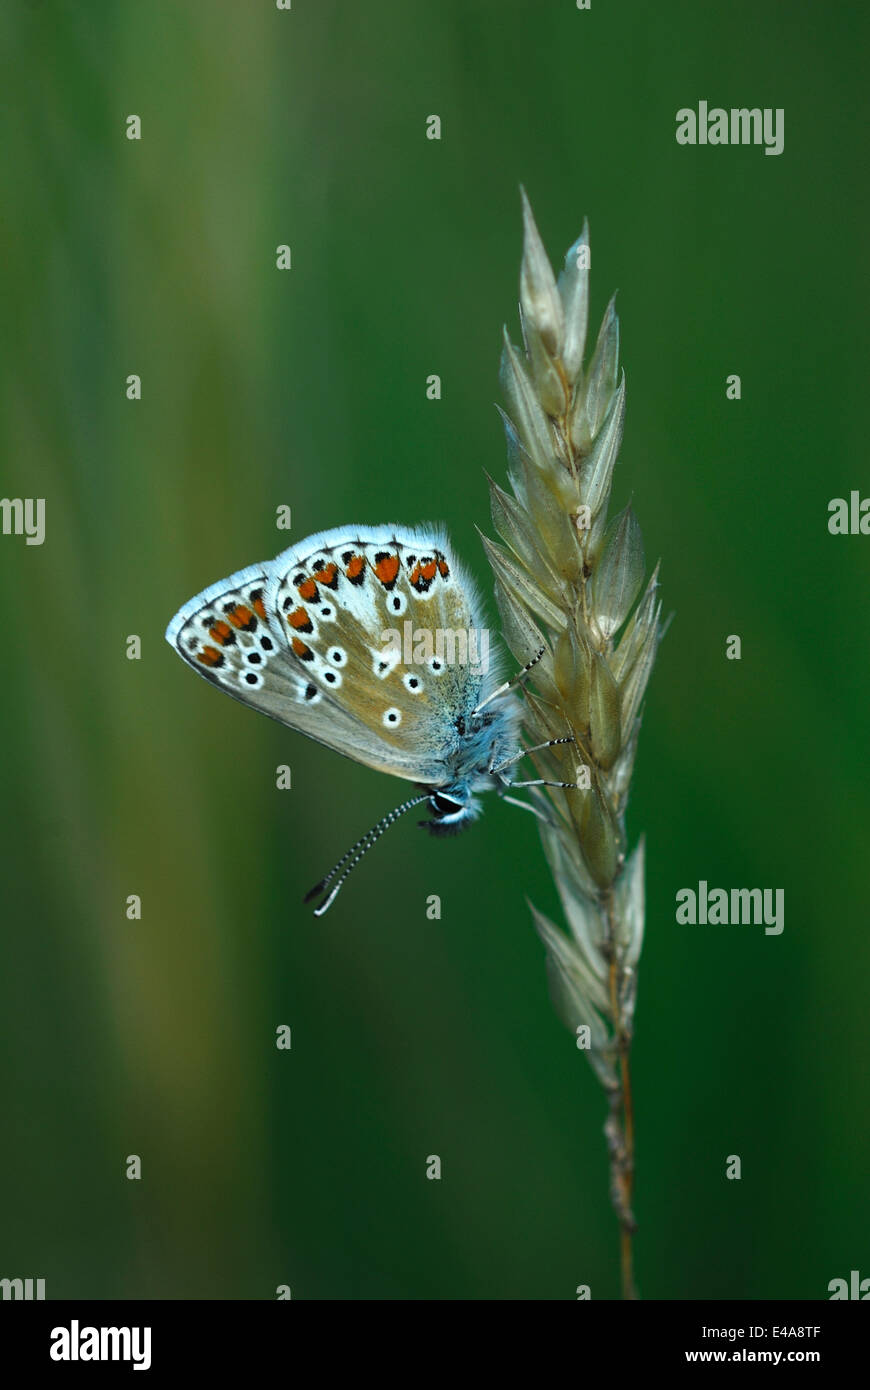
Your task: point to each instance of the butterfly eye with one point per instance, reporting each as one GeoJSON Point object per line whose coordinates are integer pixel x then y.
{"type": "Point", "coordinates": [445, 805]}
{"type": "Point", "coordinates": [392, 717]}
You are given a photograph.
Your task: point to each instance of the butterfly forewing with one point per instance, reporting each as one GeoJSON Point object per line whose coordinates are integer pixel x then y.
{"type": "Point", "coordinates": [364, 612]}
{"type": "Point", "coordinates": [226, 635]}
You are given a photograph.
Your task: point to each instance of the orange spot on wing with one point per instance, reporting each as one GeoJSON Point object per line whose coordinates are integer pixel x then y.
{"type": "Point", "coordinates": [241, 616]}
{"type": "Point", "coordinates": [210, 656]}
{"type": "Point", "coordinates": [327, 575]}
{"type": "Point", "coordinates": [299, 618]}
{"type": "Point", "coordinates": [221, 632]}
{"type": "Point", "coordinates": [356, 566]}
{"type": "Point", "coordinates": [387, 569]}
{"type": "Point", "coordinates": [443, 568]}
{"type": "Point", "coordinates": [301, 649]}
{"type": "Point", "coordinates": [307, 589]}
{"type": "Point", "coordinates": [423, 574]}
{"type": "Point", "coordinates": [260, 608]}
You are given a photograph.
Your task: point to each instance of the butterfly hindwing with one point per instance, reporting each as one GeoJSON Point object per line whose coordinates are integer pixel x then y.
{"type": "Point", "coordinates": [225, 634]}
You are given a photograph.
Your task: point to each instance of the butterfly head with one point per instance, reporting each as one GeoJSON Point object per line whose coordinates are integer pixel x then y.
{"type": "Point", "coordinates": [453, 809]}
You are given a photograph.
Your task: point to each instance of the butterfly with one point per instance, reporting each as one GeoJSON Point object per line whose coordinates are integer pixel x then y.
{"type": "Point", "coordinates": [354, 637]}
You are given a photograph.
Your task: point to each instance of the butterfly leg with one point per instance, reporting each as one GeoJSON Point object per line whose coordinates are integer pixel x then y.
{"type": "Point", "coordinates": [518, 757]}
{"type": "Point", "coordinates": [543, 782]}
{"type": "Point", "coordinates": [509, 685]}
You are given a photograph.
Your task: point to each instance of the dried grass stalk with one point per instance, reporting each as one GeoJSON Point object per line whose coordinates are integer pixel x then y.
{"type": "Point", "coordinates": [566, 581]}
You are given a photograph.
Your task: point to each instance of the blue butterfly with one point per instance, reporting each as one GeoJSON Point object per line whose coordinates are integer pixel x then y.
{"type": "Point", "coordinates": [367, 639]}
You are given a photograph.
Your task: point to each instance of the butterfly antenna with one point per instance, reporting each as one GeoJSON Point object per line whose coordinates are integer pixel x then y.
{"type": "Point", "coordinates": [509, 685]}
{"type": "Point", "coordinates": [348, 862]}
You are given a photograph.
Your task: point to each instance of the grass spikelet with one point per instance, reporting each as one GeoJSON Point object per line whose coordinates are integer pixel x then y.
{"type": "Point", "coordinates": [570, 581]}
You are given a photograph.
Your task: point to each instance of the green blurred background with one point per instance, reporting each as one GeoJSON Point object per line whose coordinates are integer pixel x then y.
{"type": "Point", "coordinates": [307, 388]}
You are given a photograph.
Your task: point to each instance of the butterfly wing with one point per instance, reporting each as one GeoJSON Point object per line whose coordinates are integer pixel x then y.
{"type": "Point", "coordinates": [224, 633]}
{"type": "Point", "coordinates": [303, 639]}
{"type": "Point", "coordinates": [389, 616]}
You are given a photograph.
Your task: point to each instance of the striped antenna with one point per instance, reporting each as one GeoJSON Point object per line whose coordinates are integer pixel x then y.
{"type": "Point", "coordinates": [355, 854]}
